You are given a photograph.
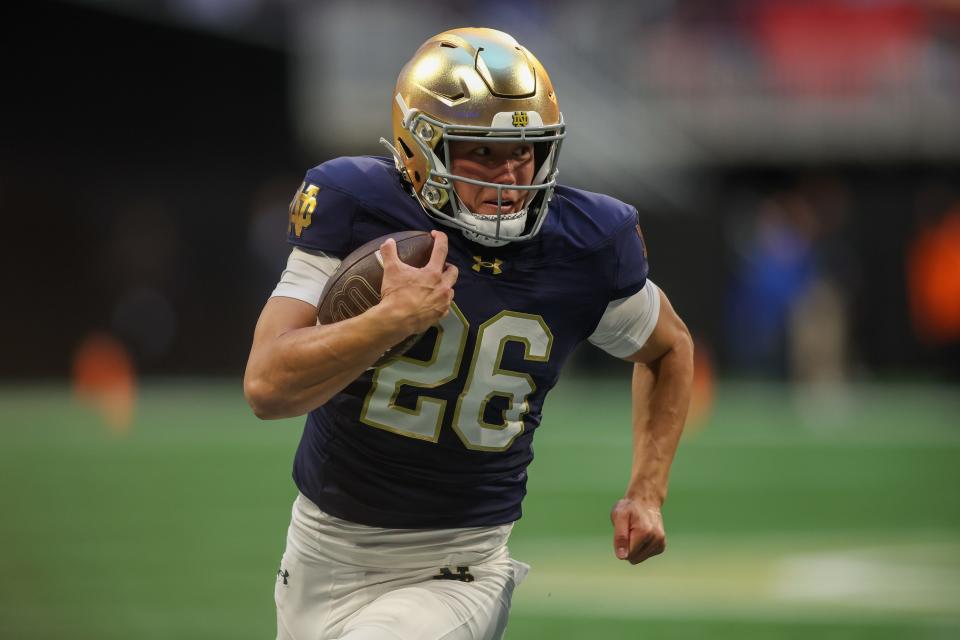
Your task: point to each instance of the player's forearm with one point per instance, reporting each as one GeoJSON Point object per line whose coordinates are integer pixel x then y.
{"type": "Point", "coordinates": [661, 396]}
{"type": "Point", "coordinates": [302, 369]}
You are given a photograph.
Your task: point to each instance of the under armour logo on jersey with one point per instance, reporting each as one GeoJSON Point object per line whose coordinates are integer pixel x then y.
{"type": "Point", "coordinates": [495, 266]}
{"type": "Point", "coordinates": [283, 573]}
{"type": "Point", "coordinates": [463, 575]}
{"type": "Point", "coordinates": [520, 119]}
{"type": "Point", "coordinates": [301, 208]}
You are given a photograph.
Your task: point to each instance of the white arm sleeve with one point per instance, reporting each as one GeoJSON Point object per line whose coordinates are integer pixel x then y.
{"type": "Point", "coordinates": [628, 322]}
{"type": "Point", "coordinates": [306, 274]}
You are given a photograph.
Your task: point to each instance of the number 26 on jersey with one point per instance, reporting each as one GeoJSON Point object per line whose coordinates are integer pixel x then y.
{"type": "Point", "coordinates": [485, 380]}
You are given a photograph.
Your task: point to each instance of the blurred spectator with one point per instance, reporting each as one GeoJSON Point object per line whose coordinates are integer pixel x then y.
{"type": "Point", "coordinates": [788, 312]}
{"type": "Point", "coordinates": [819, 322]}
{"type": "Point", "coordinates": [776, 267]}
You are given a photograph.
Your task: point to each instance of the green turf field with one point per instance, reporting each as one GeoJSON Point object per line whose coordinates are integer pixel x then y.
{"type": "Point", "coordinates": [790, 516]}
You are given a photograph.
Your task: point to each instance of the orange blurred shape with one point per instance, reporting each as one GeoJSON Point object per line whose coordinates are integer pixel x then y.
{"type": "Point", "coordinates": [104, 378]}
{"type": "Point", "coordinates": [933, 279]}
{"type": "Point", "coordinates": [701, 398]}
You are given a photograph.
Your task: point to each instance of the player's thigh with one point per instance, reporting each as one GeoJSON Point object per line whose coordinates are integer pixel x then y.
{"type": "Point", "coordinates": [302, 596]}
{"type": "Point", "coordinates": [441, 609]}
{"type": "Point", "coordinates": [315, 594]}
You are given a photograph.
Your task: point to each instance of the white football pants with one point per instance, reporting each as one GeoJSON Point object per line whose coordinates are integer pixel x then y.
{"type": "Point", "coordinates": [343, 581]}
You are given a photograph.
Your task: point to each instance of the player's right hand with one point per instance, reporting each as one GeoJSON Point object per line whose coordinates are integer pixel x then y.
{"type": "Point", "coordinates": [419, 298]}
{"type": "Point", "coordinates": [637, 530]}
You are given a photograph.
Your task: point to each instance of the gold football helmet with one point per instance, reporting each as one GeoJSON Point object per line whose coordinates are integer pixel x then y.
{"type": "Point", "coordinates": [475, 85]}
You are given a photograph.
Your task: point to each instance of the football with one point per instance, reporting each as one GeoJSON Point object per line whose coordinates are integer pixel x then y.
{"type": "Point", "coordinates": [355, 285]}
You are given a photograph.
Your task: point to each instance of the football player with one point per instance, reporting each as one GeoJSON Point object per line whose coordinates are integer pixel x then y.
{"type": "Point", "coordinates": [411, 473]}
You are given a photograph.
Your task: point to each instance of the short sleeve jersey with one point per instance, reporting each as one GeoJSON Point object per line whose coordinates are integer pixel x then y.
{"type": "Point", "coordinates": [441, 437]}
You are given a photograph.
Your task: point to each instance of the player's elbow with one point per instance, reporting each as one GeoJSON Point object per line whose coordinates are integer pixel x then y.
{"type": "Point", "coordinates": [684, 341]}
{"type": "Point", "coordinates": [271, 399]}
{"type": "Point", "coordinates": [682, 351]}
{"type": "Point", "coordinates": [263, 398]}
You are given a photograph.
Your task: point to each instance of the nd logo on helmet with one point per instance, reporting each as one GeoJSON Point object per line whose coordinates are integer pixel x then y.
{"type": "Point", "coordinates": [520, 119]}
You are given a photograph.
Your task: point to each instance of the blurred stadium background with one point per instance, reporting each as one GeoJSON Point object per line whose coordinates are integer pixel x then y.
{"type": "Point", "coordinates": [797, 169]}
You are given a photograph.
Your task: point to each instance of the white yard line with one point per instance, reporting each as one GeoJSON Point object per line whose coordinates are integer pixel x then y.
{"type": "Point", "coordinates": [736, 579]}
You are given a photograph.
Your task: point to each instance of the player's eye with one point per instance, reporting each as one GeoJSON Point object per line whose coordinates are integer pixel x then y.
{"type": "Point", "coordinates": [522, 152]}
{"type": "Point", "coordinates": [482, 152]}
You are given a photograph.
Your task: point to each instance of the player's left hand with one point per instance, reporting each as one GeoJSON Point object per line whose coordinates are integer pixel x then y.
{"type": "Point", "coordinates": [637, 530]}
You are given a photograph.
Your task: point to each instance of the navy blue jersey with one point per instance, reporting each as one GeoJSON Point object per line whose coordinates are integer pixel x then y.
{"type": "Point", "coordinates": [442, 436]}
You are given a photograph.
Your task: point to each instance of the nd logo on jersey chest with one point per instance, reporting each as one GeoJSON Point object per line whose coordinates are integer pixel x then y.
{"type": "Point", "coordinates": [485, 380]}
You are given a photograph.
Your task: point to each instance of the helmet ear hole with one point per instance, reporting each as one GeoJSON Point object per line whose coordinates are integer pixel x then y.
{"type": "Point", "coordinates": [416, 176]}
{"type": "Point", "coordinates": [406, 149]}
{"type": "Point", "coordinates": [441, 153]}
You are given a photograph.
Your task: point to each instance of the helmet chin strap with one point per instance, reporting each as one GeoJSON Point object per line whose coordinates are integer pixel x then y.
{"type": "Point", "coordinates": [397, 160]}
